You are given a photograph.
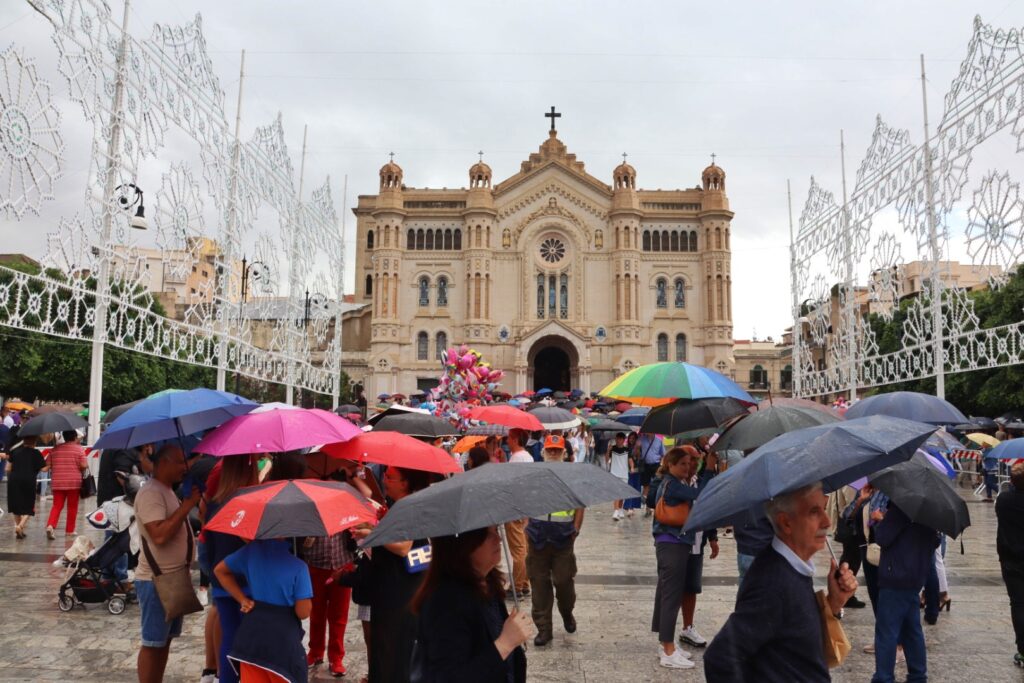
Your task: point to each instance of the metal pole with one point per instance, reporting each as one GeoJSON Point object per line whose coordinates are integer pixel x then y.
{"type": "Point", "coordinates": [849, 305]}
{"type": "Point", "coordinates": [797, 326]}
{"type": "Point", "coordinates": [336, 391]}
{"type": "Point", "coordinates": [241, 312]}
{"type": "Point", "coordinates": [293, 274]}
{"type": "Point", "coordinates": [99, 330]}
{"type": "Point", "coordinates": [232, 237]}
{"type": "Point", "coordinates": [936, 252]}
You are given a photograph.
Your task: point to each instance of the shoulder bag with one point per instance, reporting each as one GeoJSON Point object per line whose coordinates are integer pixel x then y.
{"type": "Point", "coordinates": [174, 589]}
{"type": "Point", "coordinates": [671, 515]}
{"type": "Point", "coordinates": [88, 487]}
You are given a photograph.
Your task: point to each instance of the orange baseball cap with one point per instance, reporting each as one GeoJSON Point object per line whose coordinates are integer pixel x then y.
{"type": "Point", "coordinates": [554, 441]}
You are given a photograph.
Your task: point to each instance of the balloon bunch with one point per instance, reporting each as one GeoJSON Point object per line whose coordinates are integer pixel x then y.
{"type": "Point", "coordinates": [466, 378]}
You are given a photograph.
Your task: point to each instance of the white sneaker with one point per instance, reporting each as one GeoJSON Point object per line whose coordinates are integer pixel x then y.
{"type": "Point", "coordinates": [208, 678]}
{"type": "Point", "coordinates": [678, 649]}
{"type": "Point", "coordinates": [676, 660]}
{"type": "Point", "coordinates": [615, 515]}
{"type": "Point", "coordinates": [204, 600]}
{"type": "Point", "coordinates": [689, 635]}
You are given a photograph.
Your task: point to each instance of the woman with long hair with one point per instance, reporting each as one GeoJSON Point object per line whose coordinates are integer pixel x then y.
{"type": "Point", "coordinates": [465, 631]}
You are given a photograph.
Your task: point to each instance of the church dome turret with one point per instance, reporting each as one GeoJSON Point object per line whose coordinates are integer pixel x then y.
{"type": "Point", "coordinates": [624, 176]}
{"type": "Point", "coordinates": [713, 178]}
{"type": "Point", "coordinates": [479, 175]}
{"type": "Point", "coordinates": [391, 176]}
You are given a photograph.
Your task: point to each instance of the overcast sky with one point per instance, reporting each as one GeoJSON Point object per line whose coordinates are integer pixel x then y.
{"type": "Point", "coordinates": [765, 86]}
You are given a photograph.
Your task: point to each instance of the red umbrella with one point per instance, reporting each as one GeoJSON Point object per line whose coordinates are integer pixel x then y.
{"type": "Point", "coordinates": [623, 406]}
{"type": "Point", "coordinates": [506, 416]}
{"type": "Point", "coordinates": [286, 509]}
{"type": "Point", "coordinates": [396, 450]}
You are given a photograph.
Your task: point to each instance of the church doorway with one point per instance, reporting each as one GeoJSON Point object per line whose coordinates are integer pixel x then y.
{"type": "Point", "coordinates": [553, 364]}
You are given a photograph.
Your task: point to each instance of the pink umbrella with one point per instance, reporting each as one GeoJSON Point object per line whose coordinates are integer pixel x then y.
{"type": "Point", "coordinates": [276, 431]}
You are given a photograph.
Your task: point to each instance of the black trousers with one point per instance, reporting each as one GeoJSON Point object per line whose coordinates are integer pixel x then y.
{"type": "Point", "coordinates": [1013, 577]}
{"type": "Point", "coordinates": [668, 596]}
{"type": "Point", "coordinates": [852, 554]}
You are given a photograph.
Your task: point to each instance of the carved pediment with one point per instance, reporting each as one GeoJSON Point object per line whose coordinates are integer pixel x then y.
{"type": "Point", "coordinates": [552, 209]}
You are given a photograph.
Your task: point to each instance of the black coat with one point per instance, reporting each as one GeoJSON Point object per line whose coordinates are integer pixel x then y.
{"type": "Point", "coordinates": [1010, 532]}
{"type": "Point", "coordinates": [456, 639]}
{"type": "Point", "coordinates": [774, 634]}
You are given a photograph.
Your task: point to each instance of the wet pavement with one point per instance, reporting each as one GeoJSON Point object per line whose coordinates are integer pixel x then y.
{"type": "Point", "coordinates": [615, 588]}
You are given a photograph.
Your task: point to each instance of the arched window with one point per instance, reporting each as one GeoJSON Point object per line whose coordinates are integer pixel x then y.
{"type": "Point", "coordinates": [368, 290]}
{"type": "Point", "coordinates": [675, 240]}
{"type": "Point", "coordinates": [369, 239]}
{"type": "Point", "coordinates": [440, 345]}
{"type": "Point", "coordinates": [681, 347]}
{"type": "Point", "coordinates": [786, 378]}
{"type": "Point", "coordinates": [718, 238]}
{"type": "Point", "coordinates": [656, 241]}
{"type": "Point", "coordinates": [448, 239]}
{"type": "Point", "coordinates": [420, 238]}
{"type": "Point", "coordinates": [661, 295]}
{"type": "Point", "coordinates": [758, 377]}
{"type": "Point", "coordinates": [552, 295]}
{"type": "Point", "coordinates": [680, 293]}
{"type": "Point", "coordinates": [563, 296]}
{"type": "Point", "coordinates": [540, 296]}
{"type": "Point", "coordinates": [442, 291]}
{"type": "Point", "coordinates": [410, 239]}
{"type": "Point", "coordinates": [430, 239]}
{"type": "Point", "coordinates": [458, 240]}
{"type": "Point", "coordinates": [721, 366]}
{"type": "Point", "coordinates": [662, 348]}
{"type": "Point", "coordinates": [693, 241]}
{"type": "Point", "coordinates": [647, 240]}
{"type": "Point", "coordinates": [424, 291]}
{"type": "Point", "coordinates": [665, 244]}
{"type": "Point", "coordinates": [422, 346]}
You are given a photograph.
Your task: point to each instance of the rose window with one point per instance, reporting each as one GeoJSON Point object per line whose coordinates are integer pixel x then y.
{"type": "Point", "coordinates": [552, 250]}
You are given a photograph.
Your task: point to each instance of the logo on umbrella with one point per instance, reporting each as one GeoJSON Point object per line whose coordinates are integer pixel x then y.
{"type": "Point", "coordinates": [238, 519]}
{"type": "Point", "coordinates": [348, 520]}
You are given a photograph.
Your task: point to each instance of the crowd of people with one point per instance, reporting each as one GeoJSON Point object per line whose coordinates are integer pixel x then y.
{"type": "Point", "coordinates": [439, 609]}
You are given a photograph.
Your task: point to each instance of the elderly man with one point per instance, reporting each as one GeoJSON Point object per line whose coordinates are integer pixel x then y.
{"type": "Point", "coordinates": [1010, 547]}
{"type": "Point", "coordinates": [775, 632]}
{"type": "Point", "coordinates": [166, 540]}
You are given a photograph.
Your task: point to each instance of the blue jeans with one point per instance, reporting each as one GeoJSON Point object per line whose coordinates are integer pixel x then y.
{"type": "Point", "coordinates": [230, 614]}
{"type": "Point", "coordinates": [120, 567]}
{"type": "Point", "coordinates": [156, 630]}
{"type": "Point", "coordinates": [898, 620]}
{"type": "Point", "coordinates": [743, 563]}
{"type": "Point", "coordinates": [991, 484]}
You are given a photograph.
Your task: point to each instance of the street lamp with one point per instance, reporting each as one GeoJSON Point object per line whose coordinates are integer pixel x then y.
{"type": "Point", "coordinates": [126, 202]}
{"type": "Point", "coordinates": [258, 271]}
{"type": "Point", "coordinates": [316, 299]}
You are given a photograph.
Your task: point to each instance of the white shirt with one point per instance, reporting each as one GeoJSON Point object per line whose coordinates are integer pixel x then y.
{"type": "Point", "coordinates": [8, 421]}
{"type": "Point", "coordinates": [520, 456]}
{"type": "Point", "coordinates": [801, 567]}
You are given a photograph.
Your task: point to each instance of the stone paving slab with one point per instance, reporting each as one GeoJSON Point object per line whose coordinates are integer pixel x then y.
{"type": "Point", "coordinates": [973, 642]}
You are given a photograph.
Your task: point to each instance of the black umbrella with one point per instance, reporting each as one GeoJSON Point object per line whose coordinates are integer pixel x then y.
{"type": "Point", "coordinates": [608, 425]}
{"type": "Point", "coordinates": [924, 494]}
{"type": "Point", "coordinates": [347, 409]}
{"type": "Point", "coordinates": [50, 423]}
{"type": "Point", "coordinates": [415, 424]}
{"type": "Point", "coordinates": [118, 411]}
{"type": "Point", "coordinates": [1012, 415]}
{"type": "Point", "coordinates": [1016, 425]}
{"type": "Point", "coordinates": [560, 395]}
{"type": "Point", "coordinates": [984, 423]}
{"type": "Point", "coordinates": [495, 494]}
{"type": "Point", "coordinates": [758, 428]}
{"type": "Point", "coordinates": [555, 418]}
{"type": "Point", "coordinates": [687, 415]}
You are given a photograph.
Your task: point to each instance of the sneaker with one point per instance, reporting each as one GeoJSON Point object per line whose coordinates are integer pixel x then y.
{"type": "Point", "coordinates": [203, 597]}
{"type": "Point", "coordinates": [615, 515]}
{"type": "Point", "coordinates": [685, 653]}
{"type": "Point", "coordinates": [676, 660]}
{"type": "Point", "coordinates": [208, 678]}
{"type": "Point", "coordinates": [1018, 659]}
{"type": "Point", "coordinates": [690, 636]}
{"type": "Point", "coordinates": [49, 533]}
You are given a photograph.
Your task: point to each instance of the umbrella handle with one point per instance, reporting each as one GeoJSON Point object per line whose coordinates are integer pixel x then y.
{"type": "Point", "coordinates": [831, 552]}
{"type": "Point", "coordinates": [508, 561]}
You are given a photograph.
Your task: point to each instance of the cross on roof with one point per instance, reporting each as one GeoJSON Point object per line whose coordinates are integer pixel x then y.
{"type": "Point", "coordinates": [624, 155]}
{"type": "Point", "coordinates": [552, 115]}
{"type": "Point", "coordinates": [481, 155]}
{"type": "Point", "coordinates": [391, 156]}
{"type": "Point", "coordinates": [713, 156]}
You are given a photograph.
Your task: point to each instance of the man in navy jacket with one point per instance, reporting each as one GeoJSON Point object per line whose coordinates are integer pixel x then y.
{"type": "Point", "coordinates": [775, 633]}
{"type": "Point", "coordinates": [908, 549]}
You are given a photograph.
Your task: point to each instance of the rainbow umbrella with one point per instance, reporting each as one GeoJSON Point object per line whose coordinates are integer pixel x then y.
{"type": "Point", "coordinates": [660, 383]}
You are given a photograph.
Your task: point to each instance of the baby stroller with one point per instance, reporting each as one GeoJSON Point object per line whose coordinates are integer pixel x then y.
{"type": "Point", "coordinates": [92, 580]}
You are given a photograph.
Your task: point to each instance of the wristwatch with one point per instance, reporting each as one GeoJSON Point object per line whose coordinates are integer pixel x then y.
{"type": "Point", "coordinates": [839, 615]}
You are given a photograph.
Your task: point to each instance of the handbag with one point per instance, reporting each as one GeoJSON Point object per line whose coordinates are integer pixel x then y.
{"type": "Point", "coordinates": [835, 642]}
{"type": "Point", "coordinates": [873, 555]}
{"type": "Point", "coordinates": [177, 596]}
{"type": "Point", "coordinates": [671, 515]}
{"type": "Point", "coordinates": [88, 487]}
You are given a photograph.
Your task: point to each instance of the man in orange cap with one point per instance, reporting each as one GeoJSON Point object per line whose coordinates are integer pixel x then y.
{"type": "Point", "coordinates": [550, 561]}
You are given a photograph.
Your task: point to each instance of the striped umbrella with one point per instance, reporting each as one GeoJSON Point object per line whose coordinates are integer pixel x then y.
{"type": "Point", "coordinates": [660, 383]}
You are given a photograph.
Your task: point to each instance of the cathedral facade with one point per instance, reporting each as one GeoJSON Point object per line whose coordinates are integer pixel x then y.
{"type": "Point", "coordinates": [556, 277]}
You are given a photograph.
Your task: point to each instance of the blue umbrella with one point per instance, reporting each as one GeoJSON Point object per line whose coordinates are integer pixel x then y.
{"type": "Point", "coordinates": [910, 405]}
{"type": "Point", "coordinates": [1007, 450]}
{"type": "Point", "coordinates": [172, 416]}
{"type": "Point", "coordinates": [544, 392]}
{"type": "Point", "coordinates": [634, 417]}
{"type": "Point", "coordinates": [834, 454]}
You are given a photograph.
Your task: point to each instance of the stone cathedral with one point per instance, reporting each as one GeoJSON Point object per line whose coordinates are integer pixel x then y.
{"type": "Point", "coordinates": [553, 275]}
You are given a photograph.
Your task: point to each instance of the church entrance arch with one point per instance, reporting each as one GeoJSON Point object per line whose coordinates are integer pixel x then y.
{"type": "Point", "coordinates": [554, 364]}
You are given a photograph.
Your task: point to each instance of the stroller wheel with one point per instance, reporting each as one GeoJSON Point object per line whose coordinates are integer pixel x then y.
{"type": "Point", "coordinates": [116, 605]}
{"type": "Point", "coordinates": [65, 603]}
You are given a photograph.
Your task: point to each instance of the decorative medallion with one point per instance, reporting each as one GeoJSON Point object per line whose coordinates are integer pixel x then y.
{"type": "Point", "coordinates": [504, 334]}
{"type": "Point", "coordinates": [600, 334]}
{"type": "Point", "coordinates": [552, 250]}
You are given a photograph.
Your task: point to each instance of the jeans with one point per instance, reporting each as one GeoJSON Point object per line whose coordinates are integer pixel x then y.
{"type": "Point", "coordinates": [1013, 577]}
{"type": "Point", "coordinates": [743, 563]}
{"type": "Point", "coordinates": [991, 485]}
{"type": "Point", "coordinates": [229, 612]}
{"type": "Point", "coordinates": [3, 469]}
{"type": "Point", "coordinates": [931, 594]}
{"type": "Point", "coordinates": [120, 568]}
{"type": "Point", "coordinates": [898, 620]}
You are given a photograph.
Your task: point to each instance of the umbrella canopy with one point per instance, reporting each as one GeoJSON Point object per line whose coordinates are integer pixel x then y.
{"type": "Point", "coordinates": [51, 423]}
{"type": "Point", "coordinates": [762, 426]}
{"type": "Point", "coordinates": [346, 409]}
{"type": "Point", "coordinates": [415, 424]}
{"type": "Point", "coordinates": [1011, 416]}
{"type": "Point", "coordinates": [18, 405]}
{"type": "Point", "coordinates": [467, 442]}
{"type": "Point", "coordinates": [984, 439]}
{"type": "Point", "coordinates": [118, 411]}
{"type": "Point", "coordinates": [1015, 425]}
{"type": "Point", "coordinates": [286, 509]}
{"type": "Point", "coordinates": [395, 450]}
{"type": "Point", "coordinates": [488, 430]}
{"type": "Point", "coordinates": [776, 402]}
{"type": "Point", "coordinates": [834, 454]}
{"type": "Point", "coordinates": [555, 418]}
{"type": "Point", "coordinates": [983, 423]}
{"type": "Point", "coordinates": [56, 408]}
{"type": "Point", "coordinates": [495, 494]}
{"type": "Point", "coordinates": [506, 416]}
{"type": "Point", "coordinates": [1010, 449]}
{"type": "Point", "coordinates": [606, 425]}
{"type": "Point", "coordinates": [172, 415]}
{"type": "Point", "coordinates": [544, 392]}
{"type": "Point", "coordinates": [685, 415]}
{"type": "Point", "coordinates": [395, 410]}
{"type": "Point", "coordinates": [659, 383]}
{"type": "Point", "coordinates": [276, 431]}
{"type": "Point", "coordinates": [634, 416]}
{"type": "Point", "coordinates": [924, 494]}
{"type": "Point", "coordinates": [910, 405]}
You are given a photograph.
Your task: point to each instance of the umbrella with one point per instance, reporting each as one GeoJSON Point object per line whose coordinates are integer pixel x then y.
{"type": "Point", "coordinates": [555, 418]}
{"type": "Point", "coordinates": [55, 408]}
{"type": "Point", "coordinates": [686, 415]}
{"type": "Point", "coordinates": [1010, 449]}
{"type": "Point", "coordinates": [834, 454]}
{"type": "Point", "coordinates": [765, 424]}
{"type": "Point", "coordinates": [118, 411]}
{"type": "Point", "coordinates": [395, 410]}
{"type": "Point", "coordinates": [910, 405]}
{"type": "Point", "coordinates": [467, 442]}
{"type": "Point", "coordinates": [623, 406]}
{"type": "Point", "coordinates": [346, 409]}
{"type": "Point", "coordinates": [1012, 415]}
{"type": "Point", "coordinates": [276, 431]}
{"type": "Point", "coordinates": [944, 441]}
{"type": "Point", "coordinates": [51, 423]}
{"type": "Point", "coordinates": [544, 392]}
{"type": "Point", "coordinates": [983, 439]}
{"type": "Point", "coordinates": [495, 494]}
{"type": "Point", "coordinates": [606, 425]}
{"type": "Point", "coordinates": [415, 424]}
{"type": "Point", "coordinates": [488, 430]}
{"type": "Point", "coordinates": [774, 402]}
{"type": "Point", "coordinates": [924, 494]}
{"type": "Point", "coordinates": [1015, 425]}
{"type": "Point", "coordinates": [395, 450]}
{"type": "Point", "coordinates": [287, 509]}
{"type": "Point", "coordinates": [18, 406]}
{"type": "Point", "coordinates": [506, 416]}
{"type": "Point", "coordinates": [983, 423]}
{"type": "Point", "coordinates": [634, 416]}
{"type": "Point", "coordinates": [659, 383]}
{"type": "Point", "coordinates": [84, 412]}
{"type": "Point", "coordinates": [173, 415]}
